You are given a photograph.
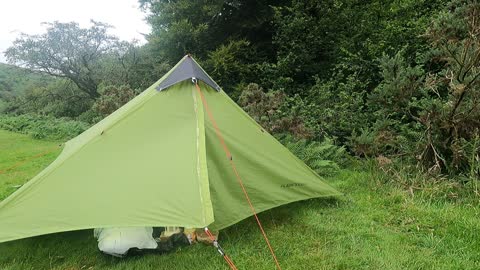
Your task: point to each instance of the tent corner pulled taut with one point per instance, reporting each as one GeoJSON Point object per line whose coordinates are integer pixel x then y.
{"type": "Point", "coordinates": [160, 160]}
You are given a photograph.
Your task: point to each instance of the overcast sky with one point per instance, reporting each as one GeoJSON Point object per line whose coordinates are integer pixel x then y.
{"type": "Point", "coordinates": [27, 15]}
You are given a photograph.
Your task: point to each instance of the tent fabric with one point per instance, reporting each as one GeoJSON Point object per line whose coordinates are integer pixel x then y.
{"type": "Point", "coordinates": [187, 69]}
{"type": "Point", "coordinates": [271, 174]}
{"type": "Point", "coordinates": [157, 162]}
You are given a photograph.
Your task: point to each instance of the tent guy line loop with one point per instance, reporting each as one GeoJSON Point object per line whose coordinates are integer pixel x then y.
{"type": "Point", "coordinates": [237, 175]}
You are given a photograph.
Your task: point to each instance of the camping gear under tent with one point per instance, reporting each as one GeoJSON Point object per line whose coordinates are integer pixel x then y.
{"type": "Point", "coordinates": [157, 161]}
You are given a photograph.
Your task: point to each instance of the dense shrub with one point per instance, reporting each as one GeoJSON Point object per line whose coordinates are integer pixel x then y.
{"type": "Point", "coordinates": [43, 127]}
{"type": "Point", "coordinates": [452, 118]}
{"type": "Point", "coordinates": [111, 98]}
{"type": "Point", "coordinates": [324, 157]}
{"type": "Point", "coordinates": [229, 64]}
{"type": "Point", "coordinates": [335, 107]}
{"type": "Point", "coordinates": [430, 110]}
{"type": "Point", "coordinates": [271, 110]}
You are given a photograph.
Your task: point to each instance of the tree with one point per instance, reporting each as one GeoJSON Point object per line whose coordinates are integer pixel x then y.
{"type": "Point", "coordinates": [180, 27]}
{"type": "Point", "coordinates": [66, 50]}
{"type": "Point", "coordinates": [239, 30]}
{"type": "Point", "coordinates": [431, 110]}
{"type": "Point", "coordinates": [452, 121]}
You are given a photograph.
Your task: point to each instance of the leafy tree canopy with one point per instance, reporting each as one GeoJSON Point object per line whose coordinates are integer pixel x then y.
{"type": "Point", "coordinates": [66, 50]}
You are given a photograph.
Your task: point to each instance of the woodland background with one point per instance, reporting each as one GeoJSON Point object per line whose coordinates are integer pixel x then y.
{"type": "Point", "coordinates": [394, 82]}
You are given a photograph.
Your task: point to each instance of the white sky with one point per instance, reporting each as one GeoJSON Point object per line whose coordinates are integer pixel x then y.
{"type": "Point", "coordinates": [27, 15]}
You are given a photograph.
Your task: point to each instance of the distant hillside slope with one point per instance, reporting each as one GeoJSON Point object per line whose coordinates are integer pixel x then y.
{"type": "Point", "coordinates": [15, 80]}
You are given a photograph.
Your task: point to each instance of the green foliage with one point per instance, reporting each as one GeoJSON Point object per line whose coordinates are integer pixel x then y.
{"type": "Point", "coordinates": [336, 107]}
{"type": "Point", "coordinates": [400, 84]}
{"type": "Point", "coordinates": [42, 127]}
{"type": "Point", "coordinates": [305, 38]}
{"type": "Point", "coordinates": [84, 60]}
{"type": "Point", "coordinates": [229, 64]}
{"type": "Point", "coordinates": [129, 64]}
{"type": "Point", "coordinates": [181, 27]}
{"type": "Point", "coordinates": [111, 98]}
{"type": "Point", "coordinates": [363, 142]}
{"type": "Point", "coordinates": [454, 117]}
{"type": "Point", "coordinates": [15, 80]}
{"type": "Point", "coordinates": [269, 110]}
{"type": "Point", "coordinates": [471, 150]}
{"type": "Point", "coordinates": [389, 126]}
{"type": "Point", "coordinates": [430, 110]}
{"type": "Point", "coordinates": [84, 56]}
{"type": "Point", "coordinates": [59, 98]}
{"type": "Point", "coordinates": [276, 114]}
{"type": "Point", "coordinates": [232, 38]}
{"type": "Point", "coordinates": [315, 38]}
{"type": "Point", "coordinates": [324, 157]}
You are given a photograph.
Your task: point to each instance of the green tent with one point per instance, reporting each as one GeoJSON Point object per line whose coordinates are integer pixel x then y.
{"type": "Point", "coordinates": [157, 161]}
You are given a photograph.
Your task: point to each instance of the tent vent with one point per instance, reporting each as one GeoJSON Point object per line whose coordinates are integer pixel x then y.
{"type": "Point", "coordinates": [187, 69]}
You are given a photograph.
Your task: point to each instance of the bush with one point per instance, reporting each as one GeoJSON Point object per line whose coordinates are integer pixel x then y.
{"type": "Point", "coordinates": [272, 111]}
{"type": "Point", "coordinates": [430, 110]}
{"type": "Point", "coordinates": [111, 98]}
{"type": "Point", "coordinates": [43, 127]}
{"type": "Point", "coordinates": [335, 107]}
{"type": "Point", "coordinates": [324, 157]}
{"type": "Point", "coordinates": [229, 64]}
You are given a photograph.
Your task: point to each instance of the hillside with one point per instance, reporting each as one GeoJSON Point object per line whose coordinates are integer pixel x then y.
{"type": "Point", "coordinates": [15, 80]}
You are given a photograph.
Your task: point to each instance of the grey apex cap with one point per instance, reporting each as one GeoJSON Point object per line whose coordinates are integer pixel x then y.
{"type": "Point", "coordinates": [187, 69]}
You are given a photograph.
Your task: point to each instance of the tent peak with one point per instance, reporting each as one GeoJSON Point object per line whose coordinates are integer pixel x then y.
{"type": "Point", "coordinates": [187, 69]}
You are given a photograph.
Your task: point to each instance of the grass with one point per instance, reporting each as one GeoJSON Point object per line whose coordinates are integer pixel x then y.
{"type": "Point", "coordinates": [376, 225]}
{"type": "Point", "coordinates": [15, 152]}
